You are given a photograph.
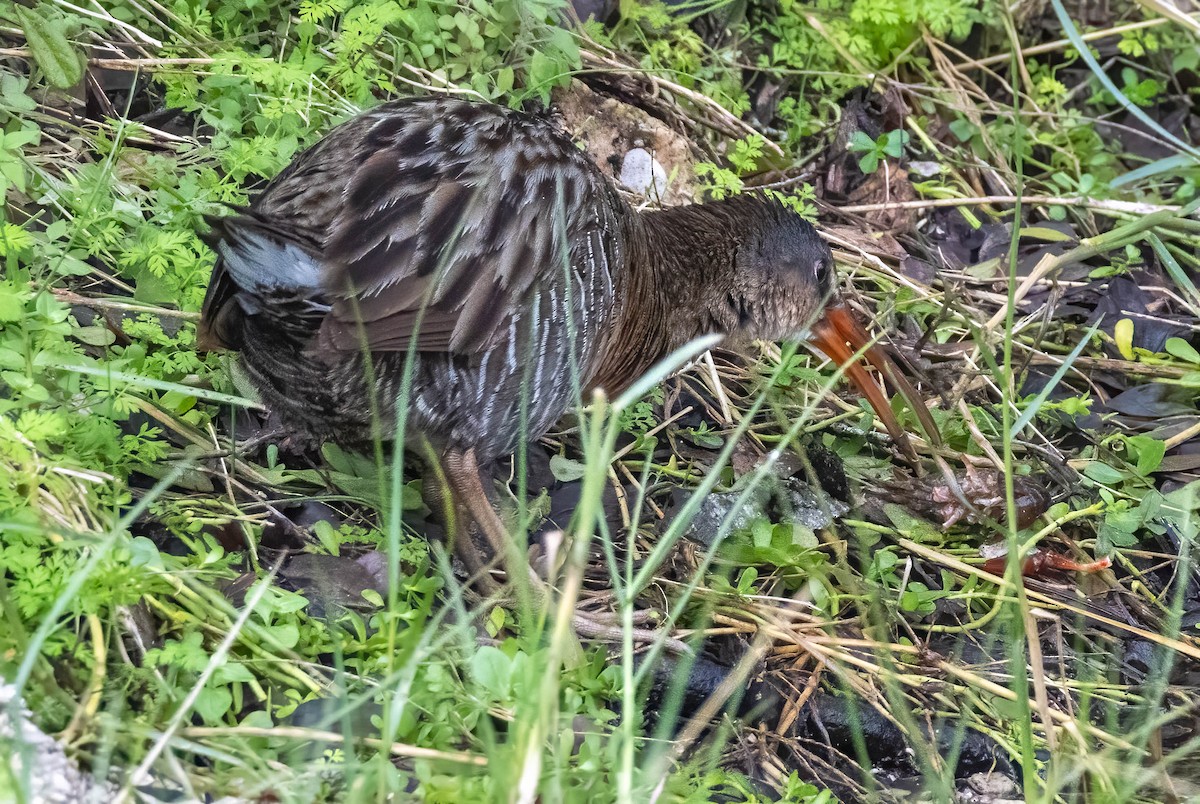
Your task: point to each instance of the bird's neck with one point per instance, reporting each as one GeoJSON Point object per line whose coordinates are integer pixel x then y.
{"type": "Point", "coordinates": [676, 262]}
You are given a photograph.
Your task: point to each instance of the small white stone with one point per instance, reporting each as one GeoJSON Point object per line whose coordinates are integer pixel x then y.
{"type": "Point", "coordinates": [643, 174]}
{"type": "Point", "coordinates": [925, 170]}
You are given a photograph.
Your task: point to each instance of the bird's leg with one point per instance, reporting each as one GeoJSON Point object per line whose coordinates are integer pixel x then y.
{"type": "Point", "coordinates": [442, 499]}
{"type": "Point", "coordinates": [465, 481]}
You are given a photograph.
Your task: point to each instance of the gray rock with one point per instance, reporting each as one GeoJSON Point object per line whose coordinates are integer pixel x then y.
{"type": "Point", "coordinates": [642, 173]}
{"type": "Point", "coordinates": [790, 501]}
{"type": "Point", "coordinates": [39, 763]}
{"type": "Point", "coordinates": [988, 788]}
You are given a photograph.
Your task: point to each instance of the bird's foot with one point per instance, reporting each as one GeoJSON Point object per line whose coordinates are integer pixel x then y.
{"type": "Point", "coordinates": [595, 626]}
{"type": "Point", "coordinates": [604, 630]}
{"type": "Point", "coordinates": [463, 478]}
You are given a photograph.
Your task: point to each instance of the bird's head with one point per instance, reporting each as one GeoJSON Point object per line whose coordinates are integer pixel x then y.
{"type": "Point", "coordinates": [782, 279]}
{"type": "Point", "coordinates": [783, 288]}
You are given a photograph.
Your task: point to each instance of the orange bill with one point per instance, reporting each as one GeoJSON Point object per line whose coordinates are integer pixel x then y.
{"type": "Point", "coordinates": [840, 337]}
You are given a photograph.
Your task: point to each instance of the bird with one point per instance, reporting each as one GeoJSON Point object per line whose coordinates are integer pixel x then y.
{"type": "Point", "coordinates": [470, 261]}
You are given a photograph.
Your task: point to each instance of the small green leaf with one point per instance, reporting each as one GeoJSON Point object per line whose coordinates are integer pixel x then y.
{"type": "Point", "coordinates": [52, 50]}
{"type": "Point", "coordinates": [913, 527]}
{"type": "Point", "coordinates": [213, 703]}
{"type": "Point", "coordinates": [861, 143]}
{"type": "Point", "coordinates": [36, 392]}
{"type": "Point", "coordinates": [95, 335]}
{"type": "Point", "coordinates": [504, 81]}
{"type": "Point", "coordinates": [284, 602]}
{"type": "Point", "coordinates": [492, 670]}
{"type": "Point", "coordinates": [984, 270]}
{"type": "Point", "coordinates": [868, 163]}
{"type": "Point", "coordinates": [1110, 536]}
{"type": "Point", "coordinates": [287, 635]}
{"type": "Point", "coordinates": [12, 304]}
{"type": "Point", "coordinates": [746, 581]}
{"type": "Point", "coordinates": [25, 136]}
{"type": "Point", "coordinates": [885, 561]}
{"type": "Point", "coordinates": [1183, 350]}
{"type": "Point", "coordinates": [893, 143]}
{"type": "Point", "coordinates": [14, 239]}
{"type": "Point", "coordinates": [1045, 233]}
{"type": "Point", "coordinates": [1150, 452]}
{"type": "Point", "coordinates": [963, 129]}
{"type": "Point", "coordinates": [13, 93]}
{"type": "Point", "coordinates": [259, 719]}
{"type": "Point", "coordinates": [327, 535]}
{"type": "Point", "coordinates": [1103, 473]}
{"type": "Point", "coordinates": [231, 672]}
{"type": "Point", "coordinates": [565, 470]}
{"type": "Point", "coordinates": [144, 553]}
{"type": "Point", "coordinates": [1123, 336]}
{"type": "Point", "coordinates": [495, 620]}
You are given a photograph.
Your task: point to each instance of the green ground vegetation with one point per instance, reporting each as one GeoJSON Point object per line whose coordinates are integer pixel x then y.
{"type": "Point", "coordinates": [124, 122]}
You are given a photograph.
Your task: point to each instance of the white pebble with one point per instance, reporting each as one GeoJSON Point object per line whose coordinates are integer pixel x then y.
{"type": "Point", "coordinates": [643, 174]}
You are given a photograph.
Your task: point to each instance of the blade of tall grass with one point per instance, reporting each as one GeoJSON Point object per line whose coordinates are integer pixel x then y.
{"type": "Point", "coordinates": [1085, 53]}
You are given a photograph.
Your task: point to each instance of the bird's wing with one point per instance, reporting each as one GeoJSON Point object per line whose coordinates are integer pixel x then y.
{"type": "Point", "coordinates": [443, 218]}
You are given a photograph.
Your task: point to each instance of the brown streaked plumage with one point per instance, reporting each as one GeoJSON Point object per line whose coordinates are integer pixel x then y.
{"type": "Point", "coordinates": [483, 243]}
